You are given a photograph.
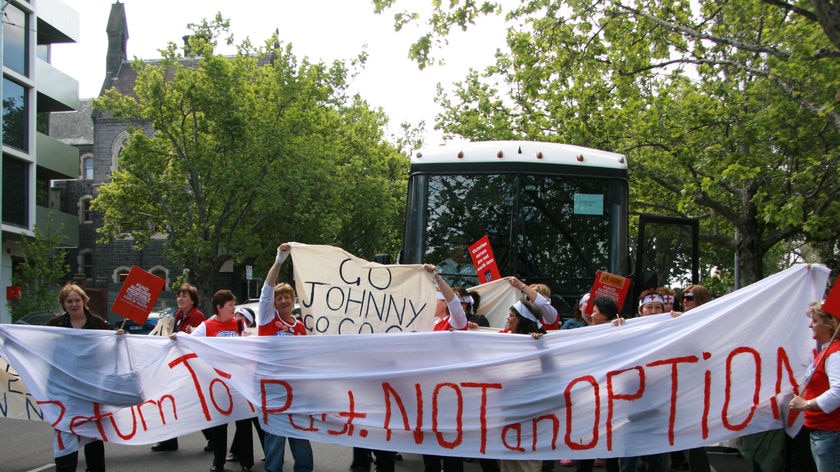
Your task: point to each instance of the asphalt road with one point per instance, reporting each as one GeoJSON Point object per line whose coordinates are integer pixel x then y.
{"type": "Point", "coordinates": [27, 447]}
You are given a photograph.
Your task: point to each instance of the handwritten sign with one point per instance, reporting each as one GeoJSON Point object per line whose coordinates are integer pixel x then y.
{"type": "Point", "coordinates": [340, 293]}
{"type": "Point", "coordinates": [138, 295]}
{"type": "Point", "coordinates": [484, 261]}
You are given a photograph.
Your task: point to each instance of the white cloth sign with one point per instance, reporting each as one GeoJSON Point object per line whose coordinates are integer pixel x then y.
{"type": "Point", "coordinates": [656, 384]}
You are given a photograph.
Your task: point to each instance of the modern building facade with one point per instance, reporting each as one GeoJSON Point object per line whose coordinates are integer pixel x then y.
{"type": "Point", "coordinates": [33, 160]}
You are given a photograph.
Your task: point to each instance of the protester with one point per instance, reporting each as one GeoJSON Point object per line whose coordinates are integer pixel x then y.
{"type": "Point", "coordinates": [277, 300]}
{"type": "Point", "coordinates": [669, 296]}
{"type": "Point", "coordinates": [692, 297]}
{"type": "Point", "coordinates": [539, 295]}
{"type": "Point", "coordinates": [469, 302]}
{"type": "Point", "coordinates": [241, 449]}
{"type": "Point", "coordinates": [449, 316]}
{"type": "Point", "coordinates": [821, 396]}
{"type": "Point", "coordinates": [187, 317]}
{"type": "Point", "coordinates": [604, 310]}
{"type": "Point", "coordinates": [77, 315]}
{"type": "Point", "coordinates": [523, 318]}
{"type": "Point", "coordinates": [224, 324]}
{"type": "Point", "coordinates": [580, 318]}
{"type": "Point", "coordinates": [449, 313]}
{"type": "Point", "coordinates": [650, 303]}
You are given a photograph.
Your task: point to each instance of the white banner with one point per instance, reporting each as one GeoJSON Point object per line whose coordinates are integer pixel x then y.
{"type": "Point", "coordinates": [653, 385]}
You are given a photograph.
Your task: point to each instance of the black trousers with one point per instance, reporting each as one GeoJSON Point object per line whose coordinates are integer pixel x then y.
{"type": "Point", "coordinates": [587, 464]}
{"type": "Point", "coordinates": [94, 456]}
{"type": "Point", "coordinates": [450, 464]}
{"type": "Point", "coordinates": [362, 460]}
{"type": "Point", "coordinates": [218, 437]}
{"type": "Point", "coordinates": [243, 442]}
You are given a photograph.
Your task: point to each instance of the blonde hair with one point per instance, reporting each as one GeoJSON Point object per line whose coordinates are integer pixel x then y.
{"type": "Point", "coordinates": [69, 288]}
{"type": "Point", "coordinates": [283, 287]}
{"type": "Point", "coordinates": [815, 308]}
{"type": "Point", "coordinates": [542, 289]}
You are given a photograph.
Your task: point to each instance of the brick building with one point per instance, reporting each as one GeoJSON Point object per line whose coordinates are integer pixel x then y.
{"type": "Point", "coordinates": [101, 268]}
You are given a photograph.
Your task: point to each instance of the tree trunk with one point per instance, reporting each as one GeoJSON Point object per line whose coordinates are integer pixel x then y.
{"type": "Point", "coordinates": [750, 259]}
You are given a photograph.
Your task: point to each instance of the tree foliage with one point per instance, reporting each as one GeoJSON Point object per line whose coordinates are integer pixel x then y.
{"type": "Point", "coordinates": [247, 152]}
{"type": "Point", "coordinates": [727, 109]}
{"type": "Point", "coordinates": [38, 274]}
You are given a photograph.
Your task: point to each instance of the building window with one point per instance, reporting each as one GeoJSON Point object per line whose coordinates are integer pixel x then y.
{"type": "Point", "coordinates": [116, 149]}
{"type": "Point", "coordinates": [15, 128]}
{"type": "Point", "coordinates": [86, 263]}
{"type": "Point", "coordinates": [87, 167]}
{"type": "Point", "coordinates": [16, 39]}
{"type": "Point", "coordinates": [85, 213]}
{"type": "Point", "coordinates": [15, 191]}
{"type": "Point", "coordinates": [161, 272]}
{"type": "Point", "coordinates": [120, 274]}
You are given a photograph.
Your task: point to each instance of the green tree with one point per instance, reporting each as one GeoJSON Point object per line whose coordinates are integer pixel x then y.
{"type": "Point", "coordinates": [38, 274]}
{"type": "Point", "coordinates": [246, 152]}
{"type": "Point", "coordinates": [726, 109]}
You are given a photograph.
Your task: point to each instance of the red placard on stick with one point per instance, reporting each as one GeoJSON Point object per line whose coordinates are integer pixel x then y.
{"type": "Point", "coordinates": [138, 295]}
{"type": "Point", "coordinates": [609, 285]}
{"type": "Point", "coordinates": [831, 304]}
{"type": "Point", "coordinates": [485, 263]}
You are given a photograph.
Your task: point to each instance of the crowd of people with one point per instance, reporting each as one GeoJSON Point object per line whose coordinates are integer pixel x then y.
{"type": "Point", "coordinates": [457, 309]}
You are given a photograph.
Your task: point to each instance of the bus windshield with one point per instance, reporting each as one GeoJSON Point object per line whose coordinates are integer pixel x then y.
{"type": "Point", "coordinates": [547, 222]}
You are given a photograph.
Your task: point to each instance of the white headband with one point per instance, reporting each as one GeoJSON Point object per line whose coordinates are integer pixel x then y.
{"type": "Point", "coordinates": [524, 312]}
{"type": "Point", "coordinates": [468, 299]}
{"type": "Point", "coordinates": [652, 298]}
{"type": "Point", "coordinates": [668, 298]}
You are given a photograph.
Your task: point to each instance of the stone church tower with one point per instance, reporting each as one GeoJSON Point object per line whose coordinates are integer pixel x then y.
{"type": "Point", "coordinates": [101, 268]}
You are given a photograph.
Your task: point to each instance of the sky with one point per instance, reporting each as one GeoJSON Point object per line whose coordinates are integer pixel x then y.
{"type": "Point", "coordinates": [323, 30]}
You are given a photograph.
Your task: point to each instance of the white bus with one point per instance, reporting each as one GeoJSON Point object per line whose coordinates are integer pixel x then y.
{"type": "Point", "coordinates": [554, 213]}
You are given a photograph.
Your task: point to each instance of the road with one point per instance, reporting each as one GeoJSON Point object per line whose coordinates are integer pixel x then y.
{"type": "Point", "coordinates": [28, 448]}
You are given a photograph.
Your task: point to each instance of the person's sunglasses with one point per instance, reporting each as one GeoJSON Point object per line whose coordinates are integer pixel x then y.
{"type": "Point", "coordinates": [688, 297]}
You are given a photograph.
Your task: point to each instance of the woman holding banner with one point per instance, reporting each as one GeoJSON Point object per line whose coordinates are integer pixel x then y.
{"type": "Point", "coordinates": [820, 398]}
{"type": "Point", "coordinates": [604, 310]}
{"type": "Point", "coordinates": [77, 315]}
{"type": "Point", "coordinates": [275, 319]}
{"type": "Point", "coordinates": [225, 324]}
{"type": "Point", "coordinates": [187, 318]}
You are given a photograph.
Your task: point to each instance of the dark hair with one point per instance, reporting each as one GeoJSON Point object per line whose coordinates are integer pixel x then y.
{"type": "Point", "coordinates": [462, 292]}
{"type": "Point", "coordinates": [476, 301]}
{"type": "Point", "coordinates": [524, 325]}
{"type": "Point", "coordinates": [221, 297]}
{"type": "Point", "coordinates": [189, 290]}
{"type": "Point", "coordinates": [607, 306]}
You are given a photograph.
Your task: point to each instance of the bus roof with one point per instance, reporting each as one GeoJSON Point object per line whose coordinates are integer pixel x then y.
{"type": "Point", "coordinates": [519, 151]}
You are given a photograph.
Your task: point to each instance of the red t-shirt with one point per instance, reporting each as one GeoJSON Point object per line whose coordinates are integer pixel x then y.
{"type": "Point", "coordinates": [222, 329]}
{"type": "Point", "coordinates": [278, 327]}
{"type": "Point", "coordinates": [442, 324]}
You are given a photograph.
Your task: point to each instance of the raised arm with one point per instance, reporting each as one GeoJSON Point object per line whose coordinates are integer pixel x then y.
{"type": "Point", "coordinates": [283, 251]}
{"type": "Point", "coordinates": [457, 316]}
{"type": "Point", "coordinates": [548, 312]}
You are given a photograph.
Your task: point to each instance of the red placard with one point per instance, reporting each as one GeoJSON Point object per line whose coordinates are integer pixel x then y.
{"type": "Point", "coordinates": [608, 285]}
{"type": "Point", "coordinates": [138, 295]}
{"type": "Point", "coordinates": [483, 260]}
{"type": "Point", "coordinates": [831, 304]}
